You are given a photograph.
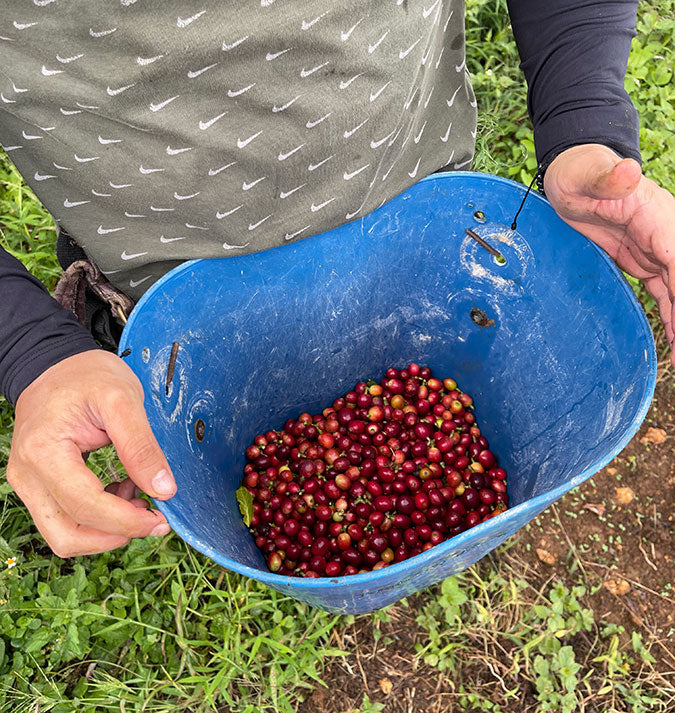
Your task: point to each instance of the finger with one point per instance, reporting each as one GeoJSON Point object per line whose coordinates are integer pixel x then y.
{"type": "Point", "coordinates": [82, 497]}
{"type": "Point", "coordinates": [607, 177]}
{"type": "Point", "coordinates": [137, 446]}
{"type": "Point", "coordinates": [65, 537]}
{"type": "Point", "coordinates": [657, 288]}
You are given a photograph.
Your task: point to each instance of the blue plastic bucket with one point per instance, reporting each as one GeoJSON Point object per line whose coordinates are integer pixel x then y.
{"type": "Point", "coordinates": [552, 345]}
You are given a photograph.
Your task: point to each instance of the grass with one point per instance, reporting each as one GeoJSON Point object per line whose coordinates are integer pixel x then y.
{"type": "Point", "coordinates": [156, 626]}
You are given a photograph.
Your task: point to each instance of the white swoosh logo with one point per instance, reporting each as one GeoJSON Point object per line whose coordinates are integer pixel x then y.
{"type": "Point", "coordinates": [426, 103]}
{"type": "Point", "coordinates": [462, 164]}
{"type": "Point", "coordinates": [473, 102]}
{"type": "Point", "coordinates": [146, 171]}
{"type": "Point", "coordinates": [285, 194]}
{"type": "Point", "coordinates": [46, 128]}
{"type": "Point", "coordinates": [23, 25]}
{"type": "Point", "coordinates": [103, 33]}
{"type": "Point", "coordinates": [216, 171]}
{"type": "Point", "coordinates": [104, 231]}
{"type": "Point", "coordinates": [273, 55]}
{"type": "Point", "coordinates": [12, 148]}
{"type": "Point", "coordinates": [180, 22]}
{"type": "Point", "coordinates": [204, 125]}
{"type": "Point", "coordinates": [266, 3]}
{"type": "Point", "coordinates": [69, 112]}
{"type": "Point", "coordinates": [220, 215]}
{"type": "Point", "coordinates": [72, 204]}
{"type": "Point", "coordinates": [62, 168]}
{"type": "Point", "coordinates": [115, 92]}
{"type": "Point", "coordinates": [276, 108]}
{"type": "Point", "coordinates": [65, 60]}
{"type": "Point", "coordinates": [136, 283]}
{"type": "Point", "coordinates": [143, 61]}
{"type": "Point", "coordinates": [347, 134]}
{"type": "Point", "coordinates": [119, 185]}
{"type": "Point", "coordinates": [344, 36]}
{"type": "Point", "coordinates": [404, 53]}
{"type": "Point", "coordinates": [375, 144]}
{"type": "Point", "coordinates": [101, 195]}
{"type": "Point", "coordinates": [227, 246]}
{"type": "Point", "coordinates": [43, 3]}
{"type": "Point", "coordinates": [124, 255]}
{"type": "Point", "coordinates": [161, 210]}
{"type": "Point", "coordinates": [372, 48]}
{"type": "Point", "coordinates": [419, 136]}
{"type": "Point", "coordinates": [349, 216]}
{"type": "Point", "coordinates": [196, 73]}
{"type": "Point", "coordinates": [227, 48]}
{"type": "Point", "coordinates": [241, 144]}
{"type": "Point", "coordinates": [306, 25]}
{"type": "Point", "coordinates": [451, 101]}
{"type": "Point", "coordinates": [373, 97]}
{"type": "Point", "coordinates": [101, 140]}
{"type": "Point", "coordinates": [247, 186]}
{"type": "Point", "coordinates": [30, 137]}
{"type": "Point", "coordinates": [426, 12]}
{"type": "Point", "coordinates": [321, 205]}
{"type": "Point", "coordinates": [284, 156]}
{"type": "Point", "coordinates": [384, 178]}
{"type": "Point", "coordinates": [48, 72]}
{"type": "Point", "coordinates": [161, 105]}
{"type": "Point", "coordinates": [306, 72]}
{"type": "Point", "coordinates": [344, 85]}
{"type": "Point", "coordinates": [87, 158]}
{"type": "Point", "coordinates": [17, 90]}
{"type": "Point", "coordinates": [447, 22]}
{"type": "Point", "coordinates": [290, 236]}
{"type": "Point", "coordinates": [349, 176]}
{"type": "Point", "coordinates": [184, 198]}
{"type": "Point", "coordinates": [235, 93]}
{"type": "Point", "coordinates": [41, 177]}
{"type": "Point", "coordinates": [438, 61]}
{"type": "Point", "coordinates": [314, 166]}
{"type": "Point", "coordinates": [410, 101]}
{"type": "Point", "coordinates": [134, 215]}
{"type": "Point", "coordinates": [414, 171]}
{"type": "Point", "coordinates": [175, 152]}
{"type": "Point", "coordinates": [162, 239]}
{"type": "Point", "coordinates": [473, 133]}
{"type": "Point", "coordinates": [426, 56]}
{"type": "Point", "coordinates": [253, 226]}
{"type": "Point", "coordinates": [196, 227]}
{"type": "Point", "coordinates": [5, 100]}
{"type": "Point", "coordinates": [312, 124]}
{"type": "Point", "coordinates": [460, 67]}
{"type": "Point", "coordinates": [447, 134]}
{"type": "Point", "coordinates": [86, 106]}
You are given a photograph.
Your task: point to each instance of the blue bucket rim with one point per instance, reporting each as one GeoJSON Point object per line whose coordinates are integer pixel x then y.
{"type": "Point", "coordinates": [484, 528]}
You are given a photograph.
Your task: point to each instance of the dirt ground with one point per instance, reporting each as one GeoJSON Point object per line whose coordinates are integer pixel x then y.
{"type": "Point", "coordinates": [618, 527]}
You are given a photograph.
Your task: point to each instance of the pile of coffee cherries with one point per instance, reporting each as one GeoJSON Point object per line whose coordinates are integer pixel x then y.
{"type": "Point", "coordinates": [387, 472]}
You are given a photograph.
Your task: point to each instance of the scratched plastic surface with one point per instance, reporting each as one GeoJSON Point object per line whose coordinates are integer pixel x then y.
{"type": "Point", "coordinates": [562, 375]}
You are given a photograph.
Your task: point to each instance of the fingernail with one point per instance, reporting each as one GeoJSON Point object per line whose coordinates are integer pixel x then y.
{"type": "Point", "coordinates": [163, 529]}
{"type": "Point", "coordinates": [163, 483]}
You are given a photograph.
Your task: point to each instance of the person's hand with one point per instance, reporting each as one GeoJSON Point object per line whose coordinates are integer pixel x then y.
{"type": "Point", "coordinates": [609, 200]}
{"type": "Point", "coordinates": [78, 405]}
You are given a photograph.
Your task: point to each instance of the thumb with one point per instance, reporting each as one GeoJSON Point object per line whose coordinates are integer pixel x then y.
{"type": "Point", "coordinates": [128, 428]}
{"type": "Point", "coordinates": [602, 175]}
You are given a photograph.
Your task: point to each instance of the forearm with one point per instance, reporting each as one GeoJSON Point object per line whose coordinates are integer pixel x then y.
{"type": "Point", "coordinates": [574, 55]}
{"type": "Point", "coordinates": [35, 331]}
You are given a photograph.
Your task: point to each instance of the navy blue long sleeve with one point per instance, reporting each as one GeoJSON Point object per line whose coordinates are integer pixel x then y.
{"type": "Point", "coordinates": [574, 55]}
{"type": "Point", "coordinates": [35, 331]}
